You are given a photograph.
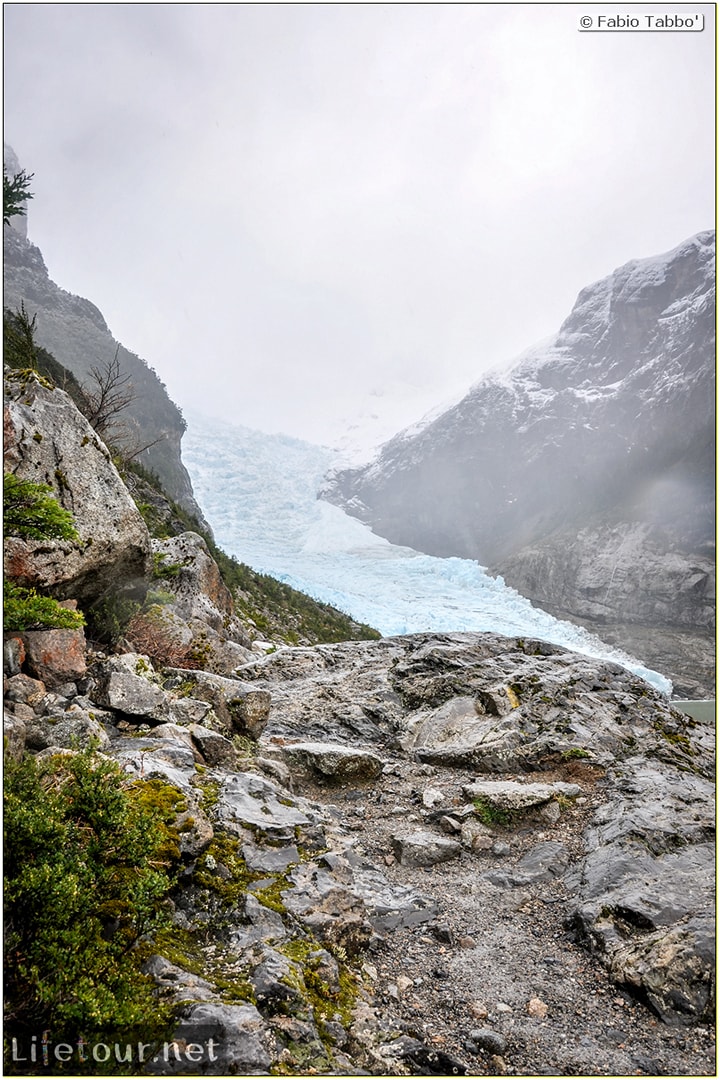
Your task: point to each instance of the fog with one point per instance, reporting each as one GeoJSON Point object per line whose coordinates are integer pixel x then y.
{"type": "Point", "coordinates": [326, 219]}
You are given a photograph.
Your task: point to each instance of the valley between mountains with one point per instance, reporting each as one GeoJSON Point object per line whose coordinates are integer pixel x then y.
{"type": "Point", "coordinates": [247, 834]}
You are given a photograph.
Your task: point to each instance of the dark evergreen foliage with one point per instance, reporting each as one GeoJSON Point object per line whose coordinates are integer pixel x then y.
{"type": "Point", "coordinates": [15, 194]}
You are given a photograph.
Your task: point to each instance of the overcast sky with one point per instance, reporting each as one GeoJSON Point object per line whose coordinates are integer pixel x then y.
{"type": "Point", "coordinates": [304, 215]}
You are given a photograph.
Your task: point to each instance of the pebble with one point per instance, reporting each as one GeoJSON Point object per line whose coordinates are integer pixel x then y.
{"type": "Point", "coordinates": [489, 1040]}
{"type": "Point", "coordinates": [467, 942]}
{"type": "Point", "coordinates": [479, 1010]}
{"type": "Point", "coordinates": [538, 1008]}
{"type": "Point", "coordinates": [502, 1007]}
{"type": "Point", "coordinates": [403, 983]}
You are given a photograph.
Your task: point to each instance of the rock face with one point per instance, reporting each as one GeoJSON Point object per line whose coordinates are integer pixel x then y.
{"type": "Point", "coordinates": [200, 617]}
{"type": "Point", "coordinates": [320, 920]}
{"type": "Point", "coordinates": [512, 706]}
{"type": "Point", "coordinates": [49, 442]}
{"type": "Point", "coordinates": [75, 332]}
{"type": "Point", "coordinates": [585, 475]}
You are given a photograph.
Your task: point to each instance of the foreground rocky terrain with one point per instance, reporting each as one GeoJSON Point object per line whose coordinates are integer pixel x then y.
{"type": "Point", "coordinates": [433, 854]}
{"type": "Point", "coordinates": [584, 475]}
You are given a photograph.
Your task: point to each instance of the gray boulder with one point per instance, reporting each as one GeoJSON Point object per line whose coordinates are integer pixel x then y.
{"type": "Point", "coordinates": [14, 736]}
{"type": "Point", "coordinates": [124, 683]}
{"type": "Point", "coordinates": [645, 898]}
{"type": "Point", "coordinates": [55, 656]}
{"type": "Point", "coordinates": [422, 848]}
{"type": "Point", "coordinates": [49, 442]}
{"type": "Point", "coordinates": [330, 761]}
{"type": "Point", "coordinates": [511, 795]}
{"type": "Point", "coordinates": [200, 618]}
{"type": "Point", "coordinates": [240, 708]}
{"type": "Point", "coordinates": [231, 1040]}
{"type": "Point", "coordinates": [216, 750]}
{"type": "Point", "coordinates": [544, 862]}
{"type": "Point", "coordinates": [246, 800]}
{"type": "Point", "coordinates": [73, 729]}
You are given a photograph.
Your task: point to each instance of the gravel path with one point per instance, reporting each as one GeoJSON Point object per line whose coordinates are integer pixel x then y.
{"type": "Point", "coordinates": [497, 981]}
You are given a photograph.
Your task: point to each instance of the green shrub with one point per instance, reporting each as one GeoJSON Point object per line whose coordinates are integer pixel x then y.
{"type": "Point", "coordinates": [163, 569]}
{"type": "Point", "coordinates": [109, 617]}
{"type": "Point", "coordinates": [32, 513]}
{"type": "Point", "coordinates": [88, 866]}
{"type": "Point", "coordinates": [492, 815]}
{"type": "Point", "coordinates": [26, 609]}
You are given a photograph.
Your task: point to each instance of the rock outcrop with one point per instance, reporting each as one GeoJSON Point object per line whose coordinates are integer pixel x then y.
{"type": "Point", "coordinates": [321, 918]}
{"type": "Point", "coordinates": [585, 475]}
{"type": "Point", "coordinates": [49, 442]}
{"type": "Point", "coordinates": [200, 615]}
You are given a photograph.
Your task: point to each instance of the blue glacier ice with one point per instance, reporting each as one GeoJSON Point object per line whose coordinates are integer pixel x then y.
{"type": "Point", "coordinates": [258, 492]}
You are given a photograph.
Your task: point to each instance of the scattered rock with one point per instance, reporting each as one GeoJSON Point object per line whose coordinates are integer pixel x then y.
{"type": "Point", "coordinates": [13, 655]}
{"type": "Point", "coordinates": [510, 795]}
{"type": "Point", "coordinates": [424, 849]}
{"type": "Point", "coordinates": [487, 1039]}
{"type": "Point", "coordinates": [544, 862]}
{"type": "Point", "coordinates": [26, 691]}
{"type": "Point", "coordinates": [537, 1008]}
{"type": "Point", "coordinates": [335, 763]}
{"type": "Point", "coordinates": [55, 656]}
{"type": "Point", "coordinates": [214, 747]}
{"type": "Point", "coordinates": [247, 800]}
{"type": "Point", "coordinates": [76, 729]}
{"type": "Point", "coordinates": [14, 735]}
{"type": "Point", "coordinates": [239, 708]}
{"type": "Point", "coordinates": [239, 1039]}
{"type": "Point", "coordinates": [124, 685]}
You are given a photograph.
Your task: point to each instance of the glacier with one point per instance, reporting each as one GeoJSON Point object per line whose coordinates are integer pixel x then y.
{"type": "Point", "coordinates": [259, 493]}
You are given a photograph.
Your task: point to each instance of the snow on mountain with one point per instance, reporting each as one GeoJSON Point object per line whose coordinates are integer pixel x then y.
{"type": "Point", "coordinates": [259, 494]}
{"type": "Point", "coordinates": [604, 432]}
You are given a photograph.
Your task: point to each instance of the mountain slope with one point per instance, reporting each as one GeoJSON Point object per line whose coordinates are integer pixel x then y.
{"type": "Point", "coordinates": [601, 439]}
{"type": "Point", "coordinates": [75, 332]}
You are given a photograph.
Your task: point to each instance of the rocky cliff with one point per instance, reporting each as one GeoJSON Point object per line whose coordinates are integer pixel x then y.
{"type": "Point", "coordinates": [435, 854]}
{"type": "Point", "coordinates": [585, 475]}
{"type": "Point", "coordinates": [75, 332]}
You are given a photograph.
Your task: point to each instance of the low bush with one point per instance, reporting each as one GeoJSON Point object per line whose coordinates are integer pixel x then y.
{"type": "Point", "coordinates": [152, 634]}
{"type": "Point", "coordinates": [30, 512]}
{"type": "Point", "coordinates": [88, 868]}
{"type": "Point", "coordinates": [26, 609]}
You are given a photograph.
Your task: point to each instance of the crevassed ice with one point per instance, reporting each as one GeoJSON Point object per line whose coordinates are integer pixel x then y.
{"type": "Point", "coordinates": [258, 492]}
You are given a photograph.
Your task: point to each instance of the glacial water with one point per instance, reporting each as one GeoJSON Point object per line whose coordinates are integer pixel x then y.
{"type": "Point", "coordinates": [258, 493]}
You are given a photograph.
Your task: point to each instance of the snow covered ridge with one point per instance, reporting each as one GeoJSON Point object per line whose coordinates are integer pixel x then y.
{"type": "Point", "coordinates": [631, 284]}
{"type": "Point", "coordinates": [610, 423]}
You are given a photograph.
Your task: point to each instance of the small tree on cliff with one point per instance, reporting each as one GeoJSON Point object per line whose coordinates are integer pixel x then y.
{"type": "Point", "coordinates": [15, 194]}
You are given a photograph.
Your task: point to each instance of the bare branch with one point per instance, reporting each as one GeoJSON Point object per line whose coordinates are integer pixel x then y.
{"type": "Point", "coordinates": [111, 393]}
